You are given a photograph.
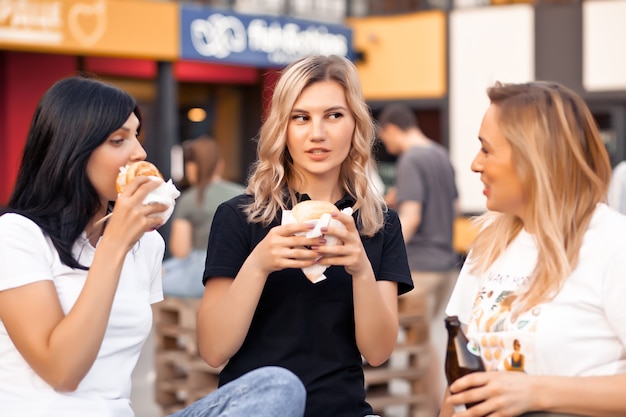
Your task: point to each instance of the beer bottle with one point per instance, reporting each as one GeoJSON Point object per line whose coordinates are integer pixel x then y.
{"type": "Point", "coordinates": [461, 357]}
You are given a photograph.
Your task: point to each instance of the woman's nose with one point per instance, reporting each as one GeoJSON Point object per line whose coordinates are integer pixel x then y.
{"type": "Point", "coordinates": [318, 129]}
{"type": "Point", "coordinates": [139, 153]}
{"type": "Point", "coordinates": [476, 165]}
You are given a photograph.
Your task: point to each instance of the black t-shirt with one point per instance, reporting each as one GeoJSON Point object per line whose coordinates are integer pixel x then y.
{"type": "Point", "coordinates": [305, 327]}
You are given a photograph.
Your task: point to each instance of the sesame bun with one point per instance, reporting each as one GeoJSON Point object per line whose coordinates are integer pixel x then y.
{"type": "Point", "coordinates": [134, 169]}
{"type": "Point", "coordinates": [312, 210]}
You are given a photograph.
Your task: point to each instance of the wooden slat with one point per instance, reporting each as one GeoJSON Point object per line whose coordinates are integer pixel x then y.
{"type": "Point", "coordinates": [375, 376]}
{"type": "Point", "coordinates": [379, 403]}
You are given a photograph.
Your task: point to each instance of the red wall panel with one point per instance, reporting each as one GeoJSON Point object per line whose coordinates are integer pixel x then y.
{"type": "Point", "coordinates": [185, 71]}
{"type": "Point", "coordinates": [24, 78]}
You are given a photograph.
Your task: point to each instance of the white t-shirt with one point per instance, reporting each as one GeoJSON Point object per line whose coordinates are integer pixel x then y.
{"type": "Point", "coordinates": [581, 332]}
{"type": "Point", "coordinates": [616, 195]}
{"type": "Point", "coordinates": [27, 256]}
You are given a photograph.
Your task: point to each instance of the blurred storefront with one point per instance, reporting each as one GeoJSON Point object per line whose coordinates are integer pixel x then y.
{"type": "Point", "coordinates": [259, 43]}
{"type": "Point", "coordinates": [574, 43]}
{"type": "Point", "coordinates": [440, 62]}
{"type": "Point", "coordinates": [193, 69]}
{"type": "Point", "coordinates": [403, 58]}
{"type": "Point", "coordinates": [41, 42]}
{"type": "Point", "coordinates": [184, 59]}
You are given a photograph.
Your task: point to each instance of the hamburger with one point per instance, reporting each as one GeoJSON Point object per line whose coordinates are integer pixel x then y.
{"type": "Point", "coordinates": [136, 169]}
{"type": "Point", "coordinates": [309, 210]}
{"type": "Point", "coordinates": [166, 193]}
{"type": "Point", "coordinates": [319, 213]}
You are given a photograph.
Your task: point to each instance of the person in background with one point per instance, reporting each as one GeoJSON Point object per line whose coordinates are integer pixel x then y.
{"type": "Point", "coordinates": [551, 249]}
{"type": "Point", "coordinates": [258, 306]}
{"type": "Point", "coordinates": [426, 198]}
{"type": "Point", "coordinates": [193, 216]}
{"type": "Point", "coordinates": [75, 291]}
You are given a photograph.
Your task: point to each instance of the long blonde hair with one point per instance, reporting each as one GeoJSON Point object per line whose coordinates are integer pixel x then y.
{"type": "Point", "coordinates": [273, 174]}
{"type": "Point", "coordinates": [565, 171]}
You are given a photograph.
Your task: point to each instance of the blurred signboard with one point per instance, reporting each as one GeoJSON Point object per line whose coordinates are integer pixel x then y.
{"type": "Point", "coordinates": [262, 41]}
{"type": "Point", "coordinates": [604, 61]}
{"type": "Point", "coordinates": [404, 55]}
{"type": "Point", "coordinates": [130, 28]}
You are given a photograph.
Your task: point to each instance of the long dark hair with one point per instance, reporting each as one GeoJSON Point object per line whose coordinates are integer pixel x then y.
{"type": "Point", "coordinates": [74, 117]}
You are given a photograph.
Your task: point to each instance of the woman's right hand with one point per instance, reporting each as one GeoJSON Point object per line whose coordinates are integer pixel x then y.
{"type": "Point", "coordinates": [131, 218]}
{"type": "Point", "coordinates": [506, 394]}
{"type": "Point", "coordinates": [228, 305]}
{"type": "Point", "coordinates": [46, 335]}
{"type": "Point", "coordinates": [283, 248]}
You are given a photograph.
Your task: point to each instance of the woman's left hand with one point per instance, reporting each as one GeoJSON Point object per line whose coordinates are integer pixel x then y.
{"type": "Point", "coordinates": [349, 252]}
{"type": "Point", "coordinates": [498, 394]}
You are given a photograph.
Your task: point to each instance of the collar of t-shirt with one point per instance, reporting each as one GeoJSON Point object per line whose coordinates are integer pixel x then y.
{"type": "Point", "coordinates": [346, 201]}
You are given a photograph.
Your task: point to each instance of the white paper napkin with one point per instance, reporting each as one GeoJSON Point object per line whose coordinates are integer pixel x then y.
{"type": "Point", "coordinates": [165, 193]}
{"type": "Point", "coordinates": [315, 273]}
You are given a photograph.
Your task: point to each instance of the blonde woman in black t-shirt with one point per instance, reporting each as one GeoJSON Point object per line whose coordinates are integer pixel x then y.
{"type": "Point", "coordinates": [258, 306]}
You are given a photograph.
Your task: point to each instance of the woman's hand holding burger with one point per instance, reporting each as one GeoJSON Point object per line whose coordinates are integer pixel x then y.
{"type": "Point", "coordinates": [145, 201]}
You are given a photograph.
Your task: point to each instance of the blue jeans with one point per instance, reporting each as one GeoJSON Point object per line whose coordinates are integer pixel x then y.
{"type": "Point", "coordinates": [264, 392]}
{"type": "Point", "coordinates": [183, 277]}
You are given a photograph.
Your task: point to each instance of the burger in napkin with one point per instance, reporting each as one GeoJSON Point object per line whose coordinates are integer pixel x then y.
{"type": "Point", "coordinates": [166, 193]}
{"type": "Point", "coordinates": [317, 213]}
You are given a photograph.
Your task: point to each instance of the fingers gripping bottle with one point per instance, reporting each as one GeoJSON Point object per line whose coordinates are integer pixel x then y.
{"type": "Point", "coordinates": [462, 357]}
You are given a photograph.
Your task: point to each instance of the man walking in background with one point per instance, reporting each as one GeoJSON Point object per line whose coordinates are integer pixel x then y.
{"type": "Point", "coordinates": [426, 199]}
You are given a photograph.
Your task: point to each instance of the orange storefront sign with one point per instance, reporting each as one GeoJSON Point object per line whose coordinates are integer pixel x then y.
{"type": "Point", "coordinates": [116, 28]}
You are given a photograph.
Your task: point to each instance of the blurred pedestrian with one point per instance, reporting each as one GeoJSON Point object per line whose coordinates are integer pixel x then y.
{"type": "Point", "coordinates": [258, 307]}
{"type": "Point", "coordinates": [193, 216]}
{"type": "Point", "coordinates": [75, 291]}
{"type": "Point", "coordinates": [425, 195]}
{"type": "Point", "coordinates": [545, 275]}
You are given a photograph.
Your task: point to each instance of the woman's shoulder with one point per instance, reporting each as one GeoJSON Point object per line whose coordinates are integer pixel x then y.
{"type": "Point", "coordinates": [15, 221]}
{"type": "Point", "coordinates": [390, 224]}
{"type": "Point", "coordinates": [15, 228]}
{"type": "Point", "coordinates": [391, 217]}
{"type": "Point", "coordinates": [234, 206]}
{"type": "Point", "coordinates": [608, 220]}
{"type": "Point", "coordinates": [153, 241]}
{"type": "Point", "coordinates": [18, 232]}
{"type": "Point", "coordinates": [239, 201]}
{"type": "Point", "coordinates": [606, 229]}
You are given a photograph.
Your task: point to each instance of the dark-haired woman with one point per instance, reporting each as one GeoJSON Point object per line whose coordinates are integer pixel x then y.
{"type": "Point", "coordinates": [75, 293]}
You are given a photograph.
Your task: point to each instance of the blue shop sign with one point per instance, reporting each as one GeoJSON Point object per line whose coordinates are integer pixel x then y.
{"type": "Point", "coordinates": [257, 40]}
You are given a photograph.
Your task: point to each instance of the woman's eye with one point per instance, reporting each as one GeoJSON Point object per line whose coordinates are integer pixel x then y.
{"type": "Point", "coordinates": [299, 117]}
{"type": "Point", "coordinates": [116, 141]}
{"type": "Point", "coordinates": [334, 116]}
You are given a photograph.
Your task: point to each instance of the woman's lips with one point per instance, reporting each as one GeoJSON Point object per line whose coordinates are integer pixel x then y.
{"type": "Point", "coordinates": [318, 154]}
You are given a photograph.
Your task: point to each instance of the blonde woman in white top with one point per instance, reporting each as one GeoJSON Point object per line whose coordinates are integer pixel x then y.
{"type": "Point", "coordinates": [546, 274]}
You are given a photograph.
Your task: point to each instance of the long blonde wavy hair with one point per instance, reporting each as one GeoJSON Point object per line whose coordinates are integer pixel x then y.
{"type": "Point", "coordinates": [274, 173]}
{"type": "Point", "coordinates": [565, 171]}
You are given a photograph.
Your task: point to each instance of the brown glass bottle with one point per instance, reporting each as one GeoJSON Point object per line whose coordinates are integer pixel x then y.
{"type": "Point", "coordinates": [461, 359]}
